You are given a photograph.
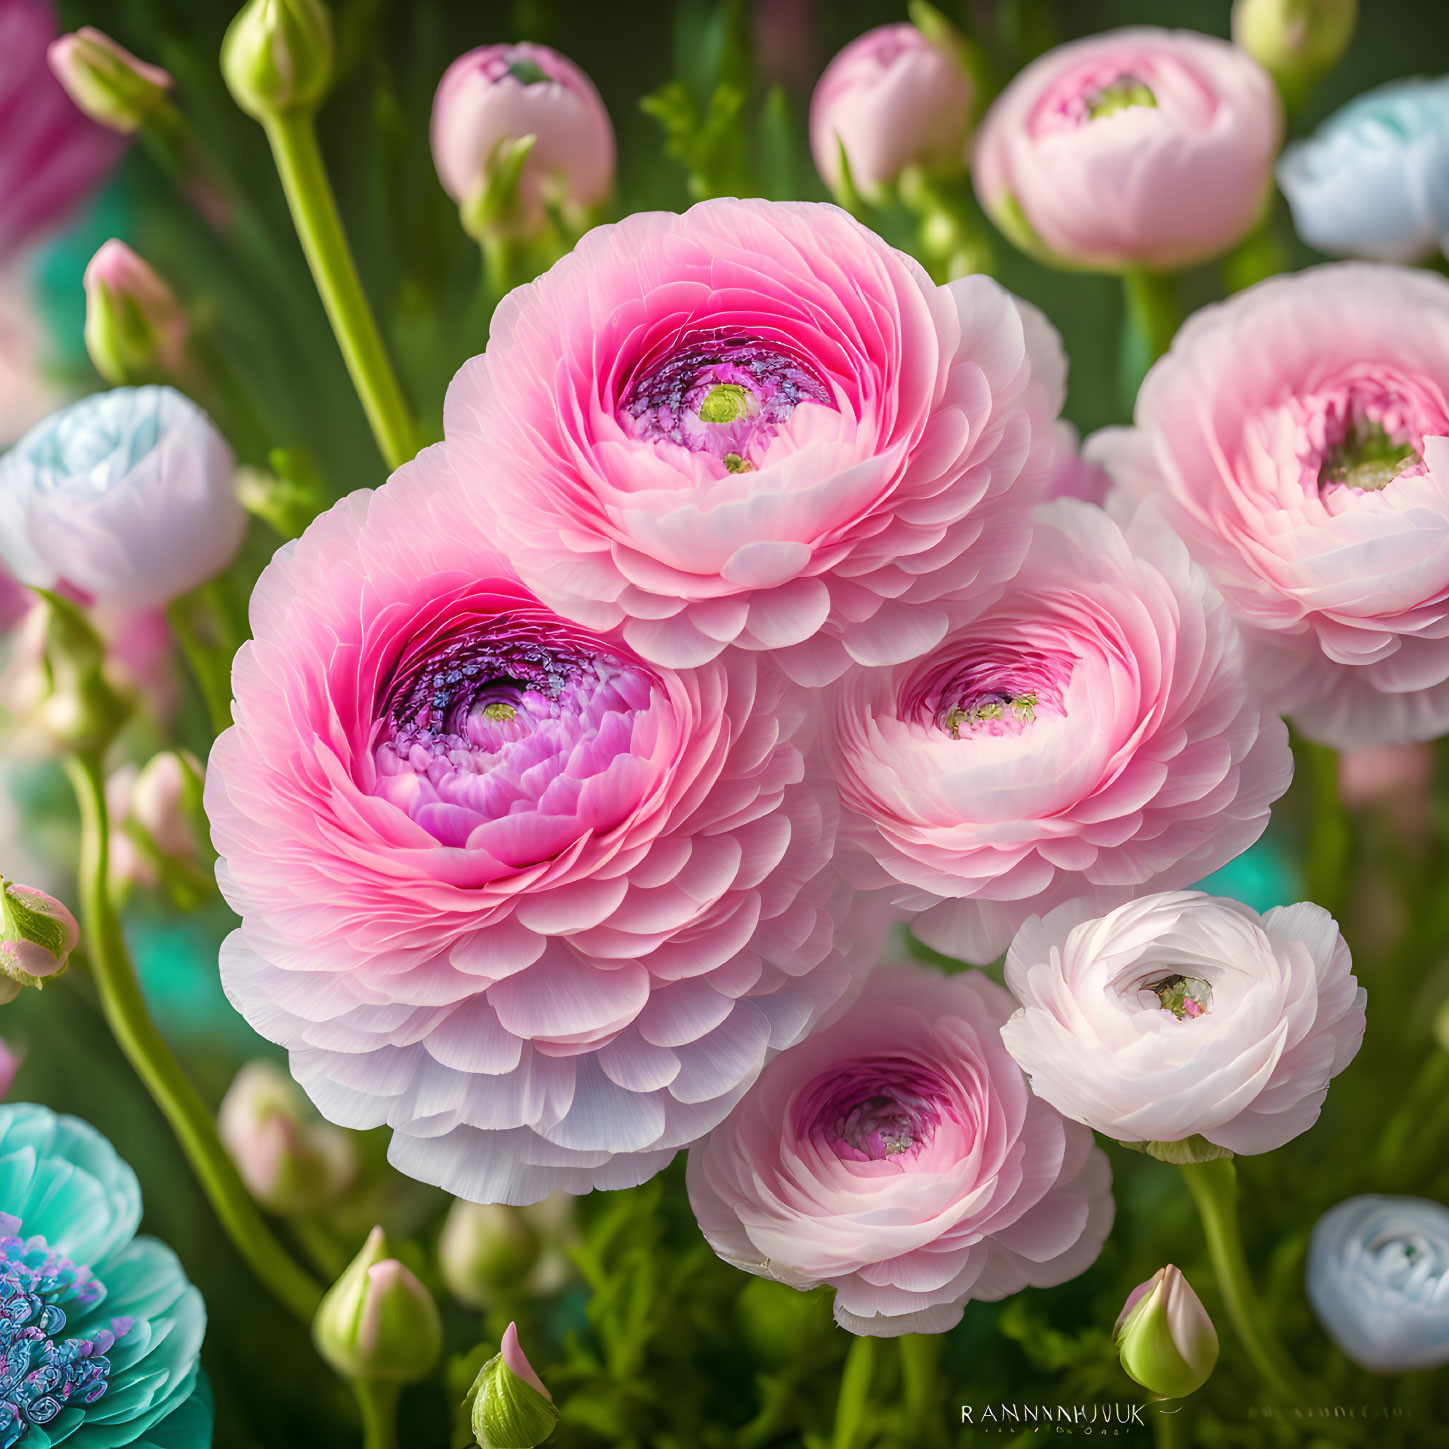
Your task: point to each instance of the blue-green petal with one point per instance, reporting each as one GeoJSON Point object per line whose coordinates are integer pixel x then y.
{"type": "Point", "coordinates": [65, 1182]}
{"type": "Point", "coordinates": [188, 1426]}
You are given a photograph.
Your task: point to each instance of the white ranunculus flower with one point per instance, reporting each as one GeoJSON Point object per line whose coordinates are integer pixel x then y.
{"type": "Point", "coordinates": [1378, 1279]}
{"type": "Point", "coordinates": [125, 495]}
{"type": "Point", "coordinates": [1373, 180]}
{"type": "Point", "coordinates": [1185, 1015]}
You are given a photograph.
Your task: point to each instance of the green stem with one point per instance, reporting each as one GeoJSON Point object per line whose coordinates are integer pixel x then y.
{"type": "Point", "coordinates": [145, 1048]}
{"type": "Point", "coordinates": [377, 1403]}
{"type": "Point", "coordinates": [1150, 320]}
{"type": "Point", "coordinates": [1167, 1428]}
{"type": "Point", "coordinates": [293, 137]}
{"type": "Point", "coordinates": [855, 1381]}
{"type": "Point", "coordinates": [1330, 839]}
{"type": "Point", "coordinates": [1215, 1190]}
{"type": "Point", "coordinates": [505, 266]}
{"type": "Point", "coordinates": [920, 1357]}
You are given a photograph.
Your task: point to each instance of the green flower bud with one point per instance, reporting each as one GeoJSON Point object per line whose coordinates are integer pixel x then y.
{"type": "Point", "coordinates": [106, 81]}
{"type": "Point", "coordinates": [81, 709]}
{"type": "Point", "coordinates": [1164, 1336]}
{"type": "Point", "coordinates": [511, 1408]}
{"type": "Point", "coordinates": [136, 331]}
{"type": "Point", "coordinates": [1295, 41]}
{"type": "Point", "coordinates": [37, 935]}
{"type": "Point", "coordinates": [377, 1322]}
{"type": "Point", "coordinates": [485, 1249]}
{"type": "Point", "coordinates": [277, 56]}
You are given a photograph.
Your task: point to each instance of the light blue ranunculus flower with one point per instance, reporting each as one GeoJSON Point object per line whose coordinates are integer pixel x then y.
{"type": "Point", "coordinates": [1373, 180]}
{"type": "Point", "coordinates": [99, 1329]}
{"type": "Point", "coordinates": [126, 495]}
{"type": "Point", "coordinates": [1378, 1279]}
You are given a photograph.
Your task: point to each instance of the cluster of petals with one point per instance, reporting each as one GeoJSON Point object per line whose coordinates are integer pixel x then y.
{"type": "Point", "coordinates": [757, 424]}
{"type": "Point", "coordinates": [1136, 148]}
{"type": "Point", "coordinates": [899, 1156]}
{"type": "Point", "coordinates": [1296, 436]}
{"type": "Point", "coordinates": [537, 904]}
{"type": "Point", "coordinates": [1184, 1014]}
{"type": "Point", "coordinates": [1090, 736]}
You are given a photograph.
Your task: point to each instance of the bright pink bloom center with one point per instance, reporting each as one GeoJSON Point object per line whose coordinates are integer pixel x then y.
{"type": "Point", "coordinates": [505, 733]}
{"type": "Point", "coordinates": [721, 393]}
{"type": "Point", "coordinates": [986, 689]}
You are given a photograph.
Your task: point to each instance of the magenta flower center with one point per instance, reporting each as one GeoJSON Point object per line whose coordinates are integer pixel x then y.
{"type": "Point", "coordinates": [720, 393]}
{"type": "Point", "coordinates": [872, 1111]}
{"type": "Point", "coordinates": [512, 736]}
{"type": "Point", "coordinates": [984, 689]}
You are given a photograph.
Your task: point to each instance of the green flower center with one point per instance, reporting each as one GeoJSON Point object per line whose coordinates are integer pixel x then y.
{"type": "Point", "coordinates": [726, 402]}
{"type": "Point", "coordinates": [1367, 458]}
{"type": "Point", "coordinates": [1020, 707]}
{"type": "Point", "coordinates": [1184, 996]}
{"type": "Point", "coordinates": [527, 72]}
{"type": "Point", "coordinates": [1121, 95]}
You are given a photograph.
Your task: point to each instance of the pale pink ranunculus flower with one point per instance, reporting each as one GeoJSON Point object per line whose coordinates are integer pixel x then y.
{"type": "Point", "coordinates": [756, 424]}
{"type": "Point", "coordinates": [500, 93]}
{"type": "Point", "coordinates": [1090, 736]}
{"type": "Point", "coordinates": [1134, 148]}
{"type": "Point", "coordinates": [1184, 1014]}
{"type": "Point", "coordinates": [52, 157]}
{"type": "Point", "coordinates": [540, 906]}
{"type": "Point", "coordinates": [899, 1156]}
{"type": "Point", "coordinates": [1297, 437]}
{"type": "Point", "coordinates": [892, 98]}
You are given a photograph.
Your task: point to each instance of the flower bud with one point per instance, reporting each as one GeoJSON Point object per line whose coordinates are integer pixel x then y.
{"type": "Point", "coordinates": [80, 709]}
{"type": "Point", "coordinates": [377, 1322]}
{"type": "Point", "coordinates": [1295, 41]}
{"type": "Point", "coordinates": [9, 1065]}
{"type": "Point", "coordinates": [511, 1407]}
{"type": "Point", "coordinates": [518, 129]}
{"type": "Point", "coordinates": [896, 97]}
{"type": "Point", "coordinates": [277, 56]}
{"type": "Point", "coordinates": [37, 935]}
{"type": "Point", "coordinates": [485, 1248]}
{"type": "Point", "coordinates": [106, 81]}
{"type": "Point", "coordinates": [291, 1162]}
{"type": "Point", "coordinates": [1164, 1336]}
{"type": "Point", "coordinates": [136, 330]}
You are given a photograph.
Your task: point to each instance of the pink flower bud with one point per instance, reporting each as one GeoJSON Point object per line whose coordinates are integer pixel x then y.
{"type": "Point", "coordinates": [496, 97]}
{"type": "Point", "coordinates": [136, 330]}
{"type": "Point", "coordinates": [291, 1162]}
{"type": "Point", "coordinates": [1165, 1338]}
{"type": "Point", "coordinates": [37, 935]}
{"type": "Point", "coordinates": [892, 98]}
{"type": "Point", "coordinates": [106, 81]}
{"type": "Point", "coordinates": [9, 1065]}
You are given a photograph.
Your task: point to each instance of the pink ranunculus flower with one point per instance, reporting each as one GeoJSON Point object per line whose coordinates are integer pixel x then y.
{"type": "Point", "coordinates": [756, 424]}
{"type": "Point", "coordinates": [537, 904]}
{"type": "Point", "coordinates": [499, 94]}
{"type": "Point", "coordinates": [899, 1156]}
{"type": "Point", "coordinates": [892, 98]}
{"type": "Point", "coordinates": [1090, 736]}
{"type": "Point", "coordinates": [1297, 438]}
{"type": "Point", "coordinates": [1135, 148]}
{"type": "Point", "coordinates": [1184, 1015]}
{"type": "Point", "coordinates": [52, 157]}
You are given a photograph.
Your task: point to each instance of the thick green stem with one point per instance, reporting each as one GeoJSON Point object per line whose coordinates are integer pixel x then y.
{"type": "Point", "coordinates": [377, 1403]}
{"type": "Point", "coordinates": [314, 212]}
{"type": "Point", "coordinates": [1167, 1427]}
{"type": "Point", "coordinates": [1214, 1188]}
{"type": "Point", "coordinates": [505, 266]}
{"type": "Point", "coordinates": [130, 1022]}
{"type": "Point", "coordinates": [1151, 318]}
{"type": "Point", "coordinates": [850, 1407]}
{"type": "Point", "coordinates": [920, 1357]}
{"type": "Point", "coordinates": [1330, 840]}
